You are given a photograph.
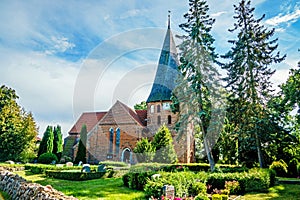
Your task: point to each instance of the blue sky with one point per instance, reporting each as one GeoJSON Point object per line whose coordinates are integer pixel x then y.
{"type": "Point", "coordinates": [66, 57]}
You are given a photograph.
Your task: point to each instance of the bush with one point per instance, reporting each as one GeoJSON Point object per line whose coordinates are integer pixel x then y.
{"type": "Point", "coordinates": [280, 167]}
{"type": "Point", "coordinates": [232, 186]}
{"type": "Point", "coordinates": [47, 158]}
{"type": "Point", "coordinates": [201, 197]}
{"type": "Point", "coordinates": [137, 180]}
{"type": "Point", "coordinates": [256, 180]}
{"type": "Point", "coordinates": [113, 164]}
{"type": "Point", "coordinates": [74, 176]}
{"type": "Point", "coordinates": [42, 168]}
{"type": "Point", "coordinates": [293, 168]}
{"type": "Point", "coordinates": [185, 184]}
{"type": "Point", "coordinates": [219, 197]}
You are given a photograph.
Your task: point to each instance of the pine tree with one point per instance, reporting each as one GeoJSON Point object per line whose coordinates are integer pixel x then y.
{"type": "Point", "coordinates": [248, 80]}
{"type": "Point", "coordinates": [81, 153]}
{"type": "Point", "coordinates": [163, 144]}
{"type": "Point", "coordinates": [198, 87]}
{"type": "Point", "coordinates": [46, 145]}
{"type": "Point", "coordinates": [57, 142]}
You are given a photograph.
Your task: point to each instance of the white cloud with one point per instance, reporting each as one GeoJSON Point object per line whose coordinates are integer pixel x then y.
{"type": "Point", "coordinates": [281, 18]}
{"type": "Point", "coordinates": [60, 45]}
{"type": "Point", "coordinates": [218, 14]}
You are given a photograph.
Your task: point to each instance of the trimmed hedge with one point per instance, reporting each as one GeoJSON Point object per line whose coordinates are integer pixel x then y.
{"type": "Point", "coordinates": [74, 176]}
{"type": "Point", "coordinates": [41, 168]}
{"type": "Point", "coordinates": [256, 180]}
{"type": "Point", "coordinates": [195, 167]}
{"type": "Point", "coordinates": [185, 184]}
{"type": "Point", "coordinates": [113, 164]}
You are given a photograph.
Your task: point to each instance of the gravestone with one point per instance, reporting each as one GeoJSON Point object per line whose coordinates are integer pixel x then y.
{"type": "Point", "coordinates": [169, 191]}
{"type": "Point", "coordinates": [69, 164]}
{"type": "Point", "coordinates": [80, 163]}
{"type": "Point", "coordinates": [86, 168]}
{"type": "Point", "coordinates": [101, 168]}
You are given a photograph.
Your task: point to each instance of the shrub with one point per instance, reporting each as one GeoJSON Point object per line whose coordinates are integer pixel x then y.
{"type": "Point", "coordinates": [219, 197]}
{"type": "Point", "coordinates": [293, 168]}
{"type": "Point", "coordinates": [257, 180]}
{"type": "Point", "coordinates": [74, 176]}
{"type": "Point", "coordinates": [137, 180]}
{"type": "Point", "coordinates": [280, 167]}
{"type": "Point", "coordinates": [201, 197]}
{"type": "Point", "coordinates": [47, 158]}
{"type": "Point", "coordinates": [113, 163]}
{"type": "Point", "coordinates": [232, 186]}
{"type": "Point", "coordinates": [185, 184]}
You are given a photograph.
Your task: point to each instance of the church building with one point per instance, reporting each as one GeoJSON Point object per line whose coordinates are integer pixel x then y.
{"type": "Point", "coordinates": [113, 135]}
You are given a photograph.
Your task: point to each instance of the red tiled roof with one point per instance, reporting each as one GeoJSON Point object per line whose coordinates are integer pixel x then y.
{"type": "Point", "coordinates": [142, 115]}
{"type": "Point", "coordinates": [90, 119]}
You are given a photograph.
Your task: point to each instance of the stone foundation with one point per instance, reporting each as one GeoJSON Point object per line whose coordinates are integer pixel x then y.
{"type": "Point", "coordinates": [18, 188]}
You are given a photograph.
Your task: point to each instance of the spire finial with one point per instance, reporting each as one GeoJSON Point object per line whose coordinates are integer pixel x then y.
{"type": "Point", "coordinates": [169, 19]}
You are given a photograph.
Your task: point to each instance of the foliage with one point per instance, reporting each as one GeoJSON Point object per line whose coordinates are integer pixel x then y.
{"type": "Point", "coordinates": [280, 167]}
{"type": "Point", "coordinates": [163, 144]}
{"type": "Point", "coordinates": [110, 163]}
{"type": "Point", "coordinates": [144, 150]}
{"type": "Point", "coordinates": [185, 183]}
{"type": "Point", "coordinates": [293, 170]}
{"type": "Point", "coordinates": [137, 180]}
{"type": "Point", "coordinates": [42, 168]}
{"type": "Point", "coordinates": [201, 197]}
{"type": "Point", "coordinates": [47, 158]}
{"type": "Point", "coordinates": [81, 153]}
{"type": "Point", "coordinates": [57, 142]}
{"type": "Point", "coordinates": [232, 186]}
{"type": "Point", "coordinates": [18, 129]}
{"type": "Point", "coordinates": [254, 180]}
{"type": "Point", "coordinates": [141, 106]}
{"type": "Point", "coordinates": [197, 91]}
{"type": "Point", "coordinates": [74, 176]}
{"type": "Point", "coordinates": [248, 82]}
{"type": "Point", "coordinates": [46, 145]}
{"type": "Point", "coordinates": [219, 197]}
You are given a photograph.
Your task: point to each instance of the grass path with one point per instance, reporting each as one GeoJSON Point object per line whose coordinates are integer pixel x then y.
{"type": "Point", "coordinates": [110, 188]}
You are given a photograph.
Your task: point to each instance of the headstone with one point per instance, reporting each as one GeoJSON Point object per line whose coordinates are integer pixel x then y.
{"type": "Point", "coordinates": [80, 163]}
{"type": "Point", "coordinates": [10, 162]}
{"type": "Point", "coordinates": [101, 168]}
{"type": "Point", "coordinates": [86, 168]}
{"type": "Point", "coordinates": [69, 164]}
{"type": "Point", "coordinates": [169, 191]}
{"type": "Point", "coordinates": [53, 162]}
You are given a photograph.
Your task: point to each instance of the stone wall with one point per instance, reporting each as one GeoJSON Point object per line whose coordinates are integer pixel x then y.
{"type": "Point", "coordinates": [18, 188]}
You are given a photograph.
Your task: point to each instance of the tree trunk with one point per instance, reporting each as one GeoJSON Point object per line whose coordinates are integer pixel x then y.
{"type": "Point", "coordinates": [209, 155]}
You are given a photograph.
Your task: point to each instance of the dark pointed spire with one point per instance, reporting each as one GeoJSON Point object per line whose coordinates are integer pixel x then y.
{"type": "Point", "coordinates": [167, 70]}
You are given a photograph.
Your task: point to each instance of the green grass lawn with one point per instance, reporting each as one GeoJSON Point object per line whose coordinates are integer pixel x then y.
{"type": "Point", "coordinates": [109, 188]}
{"type": "Point", "coordinates": [279, 192]}
{"type": "Point", "coordinates": [112, 188]}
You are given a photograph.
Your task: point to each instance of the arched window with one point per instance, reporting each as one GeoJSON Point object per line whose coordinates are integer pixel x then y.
{"type": "Point", "coordinates": [169, 119]}
{"type": "Point", "coordinates": [152, 109]}
{"type": "Point", "coordinates": [118, 135]}
{"type": "Point", "coordinates": [111, 140]}
{"type": "Point", "coordinates": [158, 108]}
{"type": "Point", "coordinates": [158, 120]}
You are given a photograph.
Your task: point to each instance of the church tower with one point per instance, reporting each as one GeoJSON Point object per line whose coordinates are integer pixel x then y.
{"type": "Point", "coordinates": [159, 100]}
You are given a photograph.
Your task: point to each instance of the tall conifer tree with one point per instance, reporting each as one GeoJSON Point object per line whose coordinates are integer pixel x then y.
{"type": "Point", "coordinates": [248, 79]}
{"type": "Point", "coordinates": [197, 87]}
{"type": "Point", "coordinates": [81, 153]}
{"type": "Point", "coordinates": [57, 142]}
{"type": "Point", "coordinates": [46, 145]}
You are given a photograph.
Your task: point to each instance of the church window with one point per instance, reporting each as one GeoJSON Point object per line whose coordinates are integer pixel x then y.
{"type": "Point", "coordinates": [152, 108]}
{"type": "Point", "coordinates": [158, 108]}
{"type": "Point", "coordinates": [169, 119]}
{"type": "Point", "coordinates": [118, 135]}
{"type": "Point", "coordinates": [111, 139]}
{"type": "Point", "coordinates": [158, 120]}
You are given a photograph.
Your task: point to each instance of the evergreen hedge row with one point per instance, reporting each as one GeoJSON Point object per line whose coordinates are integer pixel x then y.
{"type": "Point", "coordinates": [74, 176]}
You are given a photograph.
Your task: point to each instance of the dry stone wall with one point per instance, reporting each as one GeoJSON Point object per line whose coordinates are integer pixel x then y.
{"type": "Point", "coordinates": [20, 189]}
